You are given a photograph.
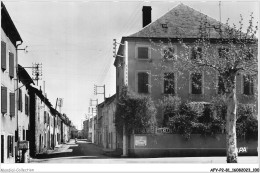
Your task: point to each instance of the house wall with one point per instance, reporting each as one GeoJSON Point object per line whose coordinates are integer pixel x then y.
{"type": "Point", "coordinates": [8, 124]}
{"type": "Point", "coordinates": [111, 125]}
{"type": "Point", "coordinates": [174, 145]}
{"type": "Point", "coordinates": [183, 79]}
{"type": "Point", "coordinates": [23, 119]}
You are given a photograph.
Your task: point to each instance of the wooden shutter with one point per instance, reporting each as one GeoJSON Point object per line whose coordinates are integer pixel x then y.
{"type": "Point", "coordinates": [2, 148]}
{"type": "Point", "coordinates": [196, 83]}
{"type": "Point", "coordinates": [143, 53]}
{"type": "Point", "coordinates": [44, 117]}
{"type": "Point", "coordinates": [20, 102]}
{"type": "Point", "coordinates": [26, 104]}
{"type": "Point", "coordinates": [12, 145]}
{"type": "Point", "coordinates": [8, 145]}
{"type": "Point", "coordinates": [3, 100]}
{"type": "Point", "coordinates": [3, 55]}
{"type": "Point", "coordinates": [11, 64]}
{"type": "Point", "coordinates": [12, 104]}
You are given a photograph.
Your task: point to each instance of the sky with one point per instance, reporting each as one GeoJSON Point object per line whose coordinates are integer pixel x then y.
{"type": "Point", "coordinates": [74, 41]}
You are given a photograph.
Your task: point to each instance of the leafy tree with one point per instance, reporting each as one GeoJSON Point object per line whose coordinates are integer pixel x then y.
{"type": "Point", "coordinates": [134, 111]}
{"type": "Point", "coordinates": [230, 53]}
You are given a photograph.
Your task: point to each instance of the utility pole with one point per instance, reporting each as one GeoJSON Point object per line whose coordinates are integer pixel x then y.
{"type": "Point", "coordinates": [36, 70]}
{"type": "Point", "coordinates": [96, 90]}
{"type": "Point", "coordinates": [93, 122]}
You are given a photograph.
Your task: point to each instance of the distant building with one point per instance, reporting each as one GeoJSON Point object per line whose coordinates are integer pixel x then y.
{"type": "Point", "coordinates": [106, 115]}
{"type": "Point", "coordinates": [85, 129]}
{"type": "Point", "coordinates": [9, 44]}
{"type": "Point", "coordinates": [40, 119]}
{"type": "Point", "coordinates": [23, 107]}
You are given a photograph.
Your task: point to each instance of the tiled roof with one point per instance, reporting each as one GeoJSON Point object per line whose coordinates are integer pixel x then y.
{"type": "Point", "coordinates": [182, 22]}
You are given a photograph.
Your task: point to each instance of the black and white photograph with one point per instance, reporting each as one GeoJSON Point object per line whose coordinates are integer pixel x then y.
{"type": "Point", "coordinates": [129, 86]}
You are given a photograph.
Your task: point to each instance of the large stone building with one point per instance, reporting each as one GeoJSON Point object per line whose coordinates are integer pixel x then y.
{"type": "Point", "coordinates": [139, 63]}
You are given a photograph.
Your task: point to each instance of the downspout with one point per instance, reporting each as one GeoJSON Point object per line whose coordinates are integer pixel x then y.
{"type": "Point", "coordinates": [17, 99]}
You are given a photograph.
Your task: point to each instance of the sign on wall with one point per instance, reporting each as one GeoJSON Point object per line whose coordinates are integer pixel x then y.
{"type": "Point", "coordinates": [140, 141]}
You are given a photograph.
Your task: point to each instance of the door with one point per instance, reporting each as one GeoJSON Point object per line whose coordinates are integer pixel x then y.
{"type": "Point", "coordinates": [2, 148]}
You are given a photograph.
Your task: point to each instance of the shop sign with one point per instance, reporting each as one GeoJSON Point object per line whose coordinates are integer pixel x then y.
{"type": "Point", "coordinates": [140, 141]}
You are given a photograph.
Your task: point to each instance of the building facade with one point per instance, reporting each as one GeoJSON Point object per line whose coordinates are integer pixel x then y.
{"type": "Point", "coordinates": [9, 44]}
{"type": "Point", "coordinates": [139, 62]}
{"type": "Point", "coordinates": [106, 115]}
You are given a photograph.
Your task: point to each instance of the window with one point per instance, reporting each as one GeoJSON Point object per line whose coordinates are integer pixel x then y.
{"type": "Point", "coordinates": [248, 85]}
{"type": "Point", "coordinates": [169, 83]}
{"type": "Point", "coordinates": [223, 52]}
{"type": "Point", "coordinates": [221, 85]}
{"type": "Point", "coordinates": [143, 52]}
{"type": "Point", "coordinates": [10, 146]}
{"type": "Point", "coordinates": [143, 82]}
{"type": "Point", "coordinates": [196, 53]}
{"type": "Point", "coordinates": [26, 104]}
{"type": "Point", "coordinates": [20, 102]}
{"type": "Point", "coordinates": [3, 100]}
{"type": "Point", "coordinates": [23, 134]}
{"type": "Point", "coordinates": [12, 104]}
{"type": "Point", "coordinates": [11, 65]}
{"type": "Point", "coordinates": [169, 53]}
{"type": "Point", "coordinates": [196, 83]}
{"type": "Point", "coordinates": [3, 55]}
{"type": "Point", "coordinates": [44, 117]}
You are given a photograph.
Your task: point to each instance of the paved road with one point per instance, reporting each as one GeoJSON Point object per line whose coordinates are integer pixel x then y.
{"type": "Point", "coordinates": [85, 152]}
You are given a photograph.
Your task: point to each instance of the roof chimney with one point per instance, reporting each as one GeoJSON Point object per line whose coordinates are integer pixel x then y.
{"type": "Point", "coordinates": [147, 17]}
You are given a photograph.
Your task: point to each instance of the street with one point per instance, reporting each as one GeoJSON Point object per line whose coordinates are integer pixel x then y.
{"type": "Point", "coordinates": [86, 152]}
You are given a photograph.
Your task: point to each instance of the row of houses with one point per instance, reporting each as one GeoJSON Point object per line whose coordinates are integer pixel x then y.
{"type": "Point", "coordinates": [29, 123]}
{"type": "Point", "coordinates": [134, 63]}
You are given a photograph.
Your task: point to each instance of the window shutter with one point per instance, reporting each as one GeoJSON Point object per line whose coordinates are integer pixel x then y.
{"type": "Point", "coordinates": [143, 53]}
{"type": "Point", "coordinates": [2, 148]}
{"type": "Point", "coordinates": [44, 117]}
{"type": "Point", "coordinates": [8, 146]}
{"type": "Point", "coordinates": [12, 145]}
{"type": "Point", "coordinates": [20, 99]}
{"type": "Point", "coordinates": [12, 104]}
{"type": "Point", "coordinates": [3, 55]}
{"type": "Point", "coordinates": [26, 104]}
{"type": "Point", "coordinates": [3, 100]}
{"type": "Point", "coordinates": [11, 64]}
{"type": "Point", "coordinates": [16, 135]}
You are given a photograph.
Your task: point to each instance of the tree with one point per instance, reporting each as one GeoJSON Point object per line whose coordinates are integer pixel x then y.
{"type": "Point", "coordinates": [133, 112]}
{"type": "Point", "coordinates": [230, 53]}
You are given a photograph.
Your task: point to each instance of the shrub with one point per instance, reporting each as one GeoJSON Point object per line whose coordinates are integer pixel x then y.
{"type": "Point", "coordinates": [247, 124]}
{"type": "Point", "coordinates": [134, 111]}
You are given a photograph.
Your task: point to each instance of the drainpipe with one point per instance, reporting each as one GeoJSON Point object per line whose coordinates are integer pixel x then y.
{"type": "Point", "coordinates": [17, 100]}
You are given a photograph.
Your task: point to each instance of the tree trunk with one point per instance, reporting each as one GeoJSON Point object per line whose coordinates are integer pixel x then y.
{"type": "Point", "coordinates": [125, 153]}
{"type": "Point", "coordinates": [231, 139]}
